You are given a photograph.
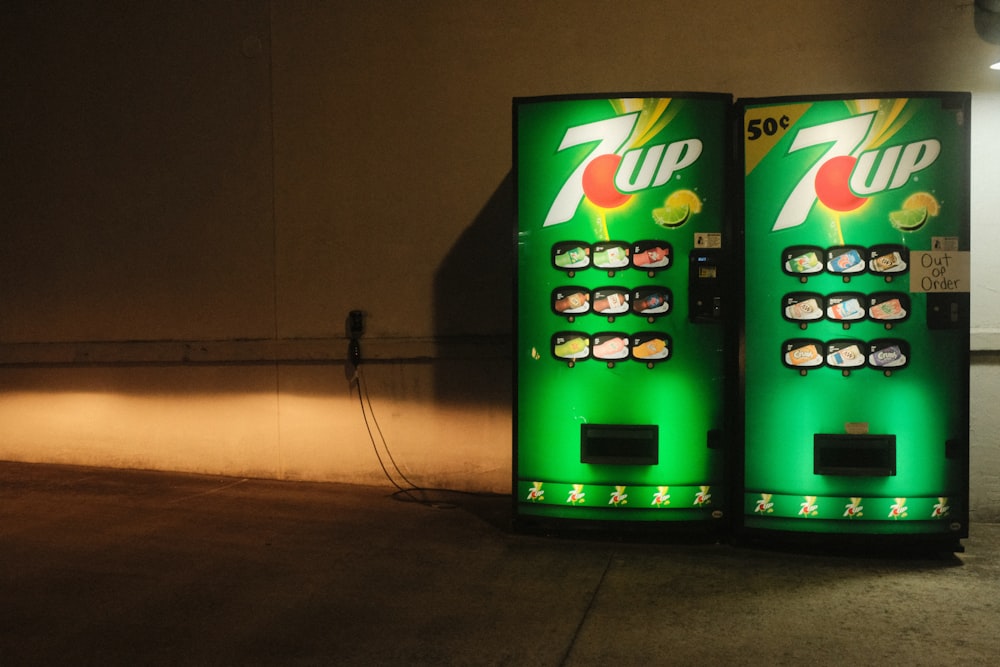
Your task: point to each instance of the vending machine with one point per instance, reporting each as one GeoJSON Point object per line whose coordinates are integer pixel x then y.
{"type": "Point", "coordinates": [854, 342]}
{"type": "Point", "coordinates": [623, 278]}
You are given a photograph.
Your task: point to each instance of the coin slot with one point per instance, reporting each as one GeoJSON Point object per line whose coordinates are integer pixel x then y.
{"type": "Point", "coordinates": [705, 286]}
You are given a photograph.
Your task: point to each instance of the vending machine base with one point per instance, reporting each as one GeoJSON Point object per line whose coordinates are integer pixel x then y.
{"type": "Point", "coordinates": [851, 544]}
{"type": "Point", "coordinates": [700, 531]}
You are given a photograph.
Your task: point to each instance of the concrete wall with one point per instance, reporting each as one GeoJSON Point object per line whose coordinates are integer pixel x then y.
{"type": "Point", "coordinates": [196, 193]}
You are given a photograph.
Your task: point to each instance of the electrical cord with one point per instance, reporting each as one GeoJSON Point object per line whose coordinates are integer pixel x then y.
{"type": "Point", "coordinates": [363, 387]}
{"type": "Point", "coordinates": [363, 397]}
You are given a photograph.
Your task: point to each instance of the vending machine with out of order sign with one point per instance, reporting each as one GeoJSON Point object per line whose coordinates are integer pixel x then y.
{"type": "Point", "coordinates": [854, 338]}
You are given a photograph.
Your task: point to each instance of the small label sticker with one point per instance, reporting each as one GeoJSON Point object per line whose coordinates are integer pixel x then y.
{"type": "Point", "coordinates": [708, 240]}
{"type": "Point", "coordinates": [944, 243]}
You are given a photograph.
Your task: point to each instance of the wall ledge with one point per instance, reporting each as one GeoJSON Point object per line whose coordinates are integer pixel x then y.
{"type": "Point", "coordinates": [293, 350]}
{"type": "Point", "coordinates": [264, 351]}
{"type": "Point", "coordinates": [984, 340]}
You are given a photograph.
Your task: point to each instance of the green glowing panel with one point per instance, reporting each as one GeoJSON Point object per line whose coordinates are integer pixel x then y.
{"type": "Point", "coordinates": [622, 258]}
{"type": "Point", "coordinates": [856, 313]}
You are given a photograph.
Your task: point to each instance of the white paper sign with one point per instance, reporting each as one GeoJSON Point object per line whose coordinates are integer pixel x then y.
{"type": "Point", "coordinates": [939, 271]}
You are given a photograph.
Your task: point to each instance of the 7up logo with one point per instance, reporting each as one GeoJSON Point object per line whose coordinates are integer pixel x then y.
{"type": "Point", "coordinates": [614, 170]}
{"type": "Point", "coordinates": [846, 175]}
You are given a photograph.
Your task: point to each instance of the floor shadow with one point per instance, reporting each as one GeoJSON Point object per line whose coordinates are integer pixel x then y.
{"type": "Point", "coordinates": [491, 508]}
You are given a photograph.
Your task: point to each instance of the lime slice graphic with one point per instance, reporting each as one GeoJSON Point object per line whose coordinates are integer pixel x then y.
{"type": "Point", "coordinates": [908, 220]}
{"type": "Point", "coordinates": [684, 198]}
{"type": "Point", "coordinates": [922, 200]}
{"type": "Point", "coordinates": [671, 216]}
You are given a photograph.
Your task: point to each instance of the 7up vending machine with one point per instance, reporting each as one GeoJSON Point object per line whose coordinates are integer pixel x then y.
{"type": "Point", "coordinates": [621, 277]}
{"type": "Point", "coordinates": [855, 332]}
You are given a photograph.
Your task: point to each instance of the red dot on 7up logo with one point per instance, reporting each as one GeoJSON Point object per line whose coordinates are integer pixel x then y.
{"type": "Point", "coordinates": [615, 168]}
{"type": "Point", "coordinates": [845, 176]}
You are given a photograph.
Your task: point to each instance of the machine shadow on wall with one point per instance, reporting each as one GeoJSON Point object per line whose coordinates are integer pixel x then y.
{"type": "Point", "coordinates": [473, 301]}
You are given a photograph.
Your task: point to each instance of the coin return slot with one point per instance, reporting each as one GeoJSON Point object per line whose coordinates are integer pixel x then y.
{"type": "Point", "coordinates": [619, 444]}
{"type": "Point", "coordinates": [854, 455]}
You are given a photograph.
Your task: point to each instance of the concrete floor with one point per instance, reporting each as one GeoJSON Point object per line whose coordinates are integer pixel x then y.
{"type": "Point", "coordinates": [105, 567]}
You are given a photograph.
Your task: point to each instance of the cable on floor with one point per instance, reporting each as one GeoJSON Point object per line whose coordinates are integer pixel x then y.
{"type": "Point", "coordinates": [410, 491]}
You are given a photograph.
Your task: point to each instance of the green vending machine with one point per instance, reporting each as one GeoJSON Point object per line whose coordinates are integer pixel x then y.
{"type": "Point", "coordinates": [622, 273]}
{"type": "Point", "coordinates": [854, 342]}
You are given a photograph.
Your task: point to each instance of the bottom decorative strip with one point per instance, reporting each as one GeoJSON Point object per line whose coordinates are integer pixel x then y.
{"type": "Point", "coordinates": [666, 497]}
{"type": "Point", "coordinates": [857, 508]}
